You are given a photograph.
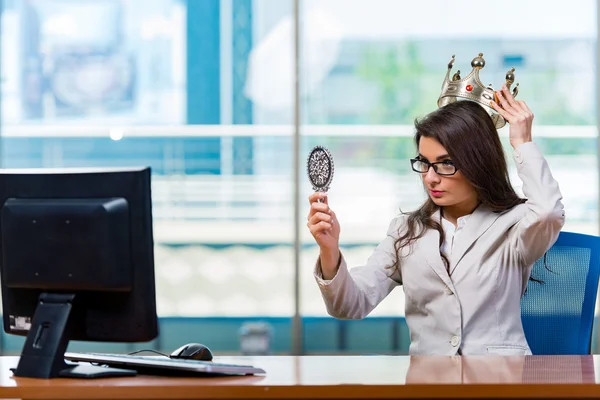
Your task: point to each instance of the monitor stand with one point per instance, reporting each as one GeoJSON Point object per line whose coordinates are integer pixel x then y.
{"type": "Point", "coordinates": [47, 341]}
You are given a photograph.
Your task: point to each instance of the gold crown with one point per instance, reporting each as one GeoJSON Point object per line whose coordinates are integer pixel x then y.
{"type": "Point", "coordinates": [471, 88]}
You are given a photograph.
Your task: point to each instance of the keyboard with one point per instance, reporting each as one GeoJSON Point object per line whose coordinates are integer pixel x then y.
{"type": "Point", "coordinates": [158, 365]}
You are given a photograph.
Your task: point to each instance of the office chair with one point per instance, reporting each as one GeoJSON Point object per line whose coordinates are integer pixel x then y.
{"type": "Point", "coordinates": [558, 313]}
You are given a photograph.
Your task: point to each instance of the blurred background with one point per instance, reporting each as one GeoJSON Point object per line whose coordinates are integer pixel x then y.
{"type": "Point", "coordinates": [203, 91]}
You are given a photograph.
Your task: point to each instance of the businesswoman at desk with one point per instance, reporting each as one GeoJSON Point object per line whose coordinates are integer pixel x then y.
{"type": "Point", "coordinates": [464, 257]}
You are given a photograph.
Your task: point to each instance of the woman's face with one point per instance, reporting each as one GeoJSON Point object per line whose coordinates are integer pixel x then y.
{"type": "Point", "coordinates": [445, 191]}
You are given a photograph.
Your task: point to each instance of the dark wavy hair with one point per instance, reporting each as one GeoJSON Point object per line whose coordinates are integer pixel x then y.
{"type": "Point", "coordinates": [468, 134]}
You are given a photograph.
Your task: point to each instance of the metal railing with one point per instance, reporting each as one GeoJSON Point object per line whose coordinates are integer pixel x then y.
{"type": "Point", "coordinates": [258, 208]}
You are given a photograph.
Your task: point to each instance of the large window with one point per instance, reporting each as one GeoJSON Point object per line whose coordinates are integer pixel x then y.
{"type": "Point", "coordinates": [203, 91]}
{"type": "Point", "coordinates": [187, 87]}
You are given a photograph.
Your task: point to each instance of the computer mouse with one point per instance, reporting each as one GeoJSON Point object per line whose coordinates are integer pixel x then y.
{"type": "Point", "coordinates": [193, 351]}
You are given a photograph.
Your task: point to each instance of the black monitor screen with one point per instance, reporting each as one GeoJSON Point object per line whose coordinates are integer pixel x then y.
{"type": "Point", "coordinates": [76, 261]}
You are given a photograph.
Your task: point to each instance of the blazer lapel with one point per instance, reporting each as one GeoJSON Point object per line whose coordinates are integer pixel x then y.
{"type": "Point", "coordinates": [479, 222]}
{"type": "Point", "coordinates": [430, 248]}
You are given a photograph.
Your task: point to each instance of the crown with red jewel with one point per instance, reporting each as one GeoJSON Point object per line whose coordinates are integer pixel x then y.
{"type": "Point", "coordinates": [471, 88]}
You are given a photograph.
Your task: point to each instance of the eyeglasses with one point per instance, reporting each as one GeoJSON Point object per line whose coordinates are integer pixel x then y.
{"type": "Point", "coordinates": [443, 168]}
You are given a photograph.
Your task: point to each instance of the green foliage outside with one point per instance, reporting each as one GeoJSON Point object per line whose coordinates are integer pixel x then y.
{"type": "Point", "coordinates": [407, 90]}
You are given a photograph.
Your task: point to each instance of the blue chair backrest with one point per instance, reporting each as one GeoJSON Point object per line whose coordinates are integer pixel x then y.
{"type": "Point", "coordinates": [558, 314]}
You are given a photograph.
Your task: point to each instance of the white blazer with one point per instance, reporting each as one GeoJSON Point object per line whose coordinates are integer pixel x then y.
{"type": "Point", "coordinates": [475, 308]}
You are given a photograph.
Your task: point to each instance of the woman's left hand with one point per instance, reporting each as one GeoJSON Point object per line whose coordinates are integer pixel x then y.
{"type": "Point", "coordinates": [518, 115]}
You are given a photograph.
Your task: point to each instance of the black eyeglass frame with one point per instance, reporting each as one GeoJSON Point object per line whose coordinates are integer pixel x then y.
{"type": "Point", "coordinates": [434, 165]}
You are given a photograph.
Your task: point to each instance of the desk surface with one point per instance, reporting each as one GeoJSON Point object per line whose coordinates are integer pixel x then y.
{"type": "Point", "coordinates": [343, 377]}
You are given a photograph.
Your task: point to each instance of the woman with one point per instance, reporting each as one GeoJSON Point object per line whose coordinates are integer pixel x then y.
{"type": "Point", "coordinates": [465, 256]}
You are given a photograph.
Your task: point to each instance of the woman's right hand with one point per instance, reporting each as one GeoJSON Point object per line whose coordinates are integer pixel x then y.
{"type": "Point", "coordinates": [325, 228]}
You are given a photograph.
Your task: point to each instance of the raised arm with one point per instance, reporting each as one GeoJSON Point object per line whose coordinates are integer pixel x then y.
{"type": "Point", "coordinates": [537, 231]}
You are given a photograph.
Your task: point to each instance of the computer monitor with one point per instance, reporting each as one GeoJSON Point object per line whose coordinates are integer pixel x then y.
{"type": "Point", "coordinates": [76, 263]}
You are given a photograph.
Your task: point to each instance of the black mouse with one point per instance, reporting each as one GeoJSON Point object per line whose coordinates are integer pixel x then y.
{"type": "Point", "coordinates": [193, 351]}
